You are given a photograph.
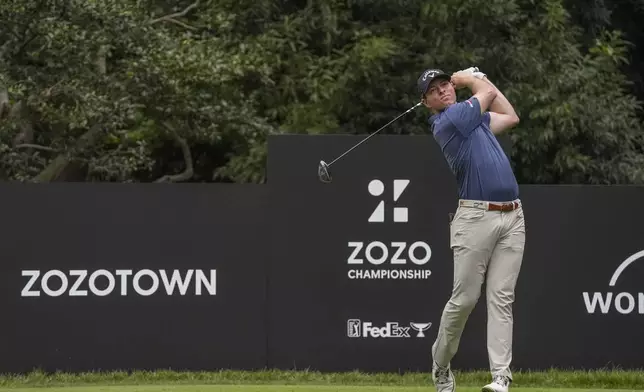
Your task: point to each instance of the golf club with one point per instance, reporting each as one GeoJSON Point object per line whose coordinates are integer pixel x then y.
{"type": "Point", "coordinates": [323, 167]}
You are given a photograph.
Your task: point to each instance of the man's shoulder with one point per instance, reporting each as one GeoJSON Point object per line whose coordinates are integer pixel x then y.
{"type": "Point", "coordinates": [467, 115]}
{"type": "Point", "coordinates": [448, 118]}
{"type": "Point", "coordinates": [437, 120]}
{"type": "Point", "coordinates": [443, 129]}
{"type": "Point", "coordinates": [441, 122]}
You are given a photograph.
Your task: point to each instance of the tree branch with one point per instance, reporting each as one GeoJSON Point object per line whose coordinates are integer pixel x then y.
{"type": "Point", "coordinates": [187, 157]}
{"type": "Point", "coordinates": [4, 101]}
{"type": "Point", "coordinates": [21, 114]}
{"type": "Point", "coordinates": [35, 146]}
{"type": "Point", "coordinates": [176, 15]}
{"type": "Point", "coordinates": [24, 44]}
{"type": "Point", "coordinates": [187, 26]}
{"type": "Point", "coordinates": [4, 48]}
{"type": "Point", "coordinates": [56, 169]}
{"type": "Point", "coordinates": [101, 61]}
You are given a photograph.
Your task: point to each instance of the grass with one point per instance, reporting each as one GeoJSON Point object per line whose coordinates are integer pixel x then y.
{"type": "Point", "coordinates": [306, 381]}
{"type": "Point", "coordinates": [272, 388]}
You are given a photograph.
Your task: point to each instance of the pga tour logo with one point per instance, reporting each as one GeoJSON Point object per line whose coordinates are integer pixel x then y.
{"type": "Point", "coordinates": [357, 328]}
{"type": "Point", "coordinates": [623, 302]}
{"type": "Point", "coordinates": [387, 259]}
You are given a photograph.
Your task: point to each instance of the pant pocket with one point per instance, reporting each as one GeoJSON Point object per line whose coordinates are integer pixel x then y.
{"type": "Point", "coordinates": [466, 223]}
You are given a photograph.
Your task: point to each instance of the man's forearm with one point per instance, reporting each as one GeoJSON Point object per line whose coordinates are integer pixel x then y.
{"type": "Point", "coordinates": [477, 85]}
{"type": "Point", "coordinates": [483, 91]}
{"type": "Point", "coordinates": [500, 104]}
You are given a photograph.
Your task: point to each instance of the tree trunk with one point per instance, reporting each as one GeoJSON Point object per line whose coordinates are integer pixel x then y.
{"type": "Point", "coordinates": [63, 167]}
{"type": "Point", "coordinates": [4, 101]}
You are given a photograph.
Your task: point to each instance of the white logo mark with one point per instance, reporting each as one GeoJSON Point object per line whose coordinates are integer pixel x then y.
{"type": "Point", "coordinates": [623, 302]}
{"type": "Point", "coordinates": [420, 327]}
{"type": "Point", "coordinates": [377, 188]}
{"type": "Point", "coordinates": [429, 74]}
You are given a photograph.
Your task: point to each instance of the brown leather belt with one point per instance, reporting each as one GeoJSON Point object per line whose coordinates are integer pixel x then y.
{"type": "Point", "coordinates": [503, 207]}
{"type": "Point", "coordinates": [490, 206]}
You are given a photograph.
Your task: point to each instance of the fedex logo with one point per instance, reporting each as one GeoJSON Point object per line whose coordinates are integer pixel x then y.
{"type": "Point", "coordinates": [358, 329]}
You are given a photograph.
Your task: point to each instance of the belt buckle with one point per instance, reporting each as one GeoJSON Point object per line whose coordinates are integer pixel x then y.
{"type": "Point", "coordinates": [480, 205]}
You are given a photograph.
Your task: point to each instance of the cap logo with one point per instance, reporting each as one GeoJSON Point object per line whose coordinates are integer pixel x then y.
{"type": "Point", "coordinates": [430, 74]}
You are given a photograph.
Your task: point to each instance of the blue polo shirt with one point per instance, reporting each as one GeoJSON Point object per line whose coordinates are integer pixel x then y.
{"type": "Point", "coordinates": [482, 169]}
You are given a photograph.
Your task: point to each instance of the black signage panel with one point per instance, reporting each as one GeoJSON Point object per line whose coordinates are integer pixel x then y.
{"type": "Point", "coordinates": [361, 267]}
{"type": "Point", "coordinates": [580, 300]}
{"type": "Point", "coordinates": [345, 293]}
{"type": "Point", "coordinates": [117, 276]}
{"type": "Point", "coordinates": [351, 274]}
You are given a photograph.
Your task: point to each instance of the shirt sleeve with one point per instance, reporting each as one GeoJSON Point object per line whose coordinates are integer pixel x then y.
{"type": "Point", "coordinates": [466, 115]}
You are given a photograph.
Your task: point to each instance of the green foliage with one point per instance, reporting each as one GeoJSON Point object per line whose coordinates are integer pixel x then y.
{"type": "Point", "coordinates": [189, 91]}
{"type": "Point", "coordinates": [625, 16]}
{"type": "Point", "coordinates": [137, 86]}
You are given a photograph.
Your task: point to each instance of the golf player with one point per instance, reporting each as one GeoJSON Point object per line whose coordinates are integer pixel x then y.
{"type": "Point", "coordinates": [487, 230]}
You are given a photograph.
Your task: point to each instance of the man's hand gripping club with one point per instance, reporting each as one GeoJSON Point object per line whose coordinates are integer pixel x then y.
{"type": "Point", "coordinates": [484, 92]}
{"type": "Point", "coordinates": [502, 114]}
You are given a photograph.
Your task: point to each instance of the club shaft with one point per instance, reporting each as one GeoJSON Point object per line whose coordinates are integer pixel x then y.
{"type": "Point", "coordinates": [368, 137]}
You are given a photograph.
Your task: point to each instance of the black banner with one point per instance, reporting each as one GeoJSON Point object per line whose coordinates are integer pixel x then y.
{"type": "Point", "coordinates": [580, 301]}
{"type": "Point", "coordinates": [346, 292]}
{"type": "Point", "coordinates": [353, 274]}
{"type": "Point", "coordinates": [361, 266]}
{"type": "Point", "coordinates": [116, 276]}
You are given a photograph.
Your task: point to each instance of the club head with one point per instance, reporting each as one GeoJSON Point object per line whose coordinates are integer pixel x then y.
{"type": "Point", "coordinates": [323, 172]}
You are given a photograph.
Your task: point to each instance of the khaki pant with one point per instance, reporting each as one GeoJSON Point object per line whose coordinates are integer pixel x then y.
{"type": "Point", "coordinates": [487, 245]}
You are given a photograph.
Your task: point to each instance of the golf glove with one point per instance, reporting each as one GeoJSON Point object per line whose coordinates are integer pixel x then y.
{"type": "Point", "coordinates": [475, 71]}
{"type": "Point", "coordinates": [471, 70]}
